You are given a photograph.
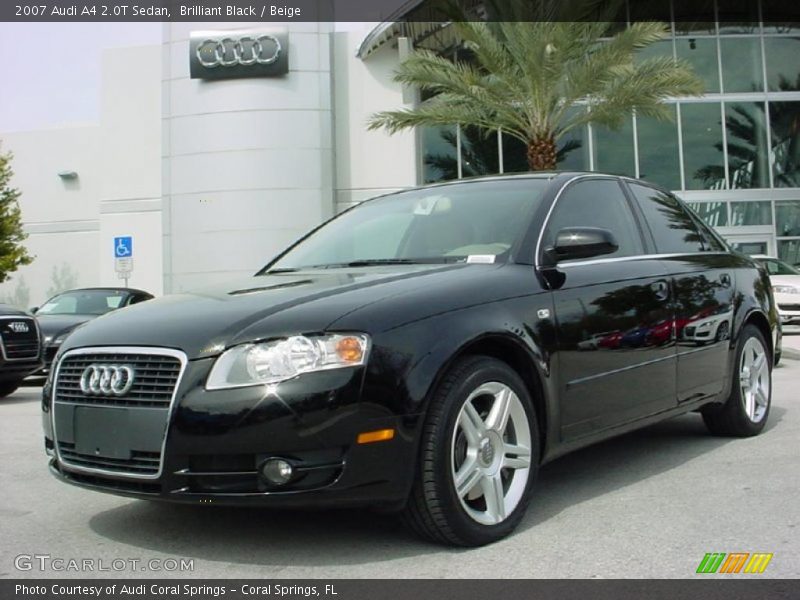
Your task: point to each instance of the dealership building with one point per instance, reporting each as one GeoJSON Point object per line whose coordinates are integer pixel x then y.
{"type": "Point", "coordinates": [211, 176]}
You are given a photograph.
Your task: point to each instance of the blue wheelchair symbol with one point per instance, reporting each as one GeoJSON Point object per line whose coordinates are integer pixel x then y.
{"type": "Point", "coordinates": [123, 247]}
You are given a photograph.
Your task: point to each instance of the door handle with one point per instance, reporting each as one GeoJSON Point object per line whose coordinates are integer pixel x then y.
{"type": "Point", "coordinates": [660, 289]}
{"type": "Point", "coordinates": [725, 280]}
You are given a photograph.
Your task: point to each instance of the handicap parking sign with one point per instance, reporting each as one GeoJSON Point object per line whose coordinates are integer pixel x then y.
{"type": "Point", "coordinates": [123, 247]}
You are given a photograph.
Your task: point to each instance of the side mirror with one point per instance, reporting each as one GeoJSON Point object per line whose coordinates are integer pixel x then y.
{"type": "Point", "coordinates": [34, 309]}
{"type": "Point", "coordinates": [583, 242]}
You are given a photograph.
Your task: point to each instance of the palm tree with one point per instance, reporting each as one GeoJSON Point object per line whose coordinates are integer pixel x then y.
{"type": "Point", "coordinates": [527, 77]}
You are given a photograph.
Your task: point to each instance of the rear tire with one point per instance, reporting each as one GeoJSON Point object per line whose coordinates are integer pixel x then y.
{"type": "Point", "coordinates": [7, 388]}
{"type": "Point", "coordinates": [479, 456]}
{"type": "Point", "coordinates": [745, 412]}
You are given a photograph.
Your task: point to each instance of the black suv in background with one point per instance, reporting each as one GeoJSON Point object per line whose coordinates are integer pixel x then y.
{"type": "Point", "coordinates": [425, 351]}
{"type": "Point", "coordinates": [20, 348]}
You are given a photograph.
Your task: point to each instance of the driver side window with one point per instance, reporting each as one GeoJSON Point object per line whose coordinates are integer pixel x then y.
{"type": "Point", "coordinates": [596, 203]}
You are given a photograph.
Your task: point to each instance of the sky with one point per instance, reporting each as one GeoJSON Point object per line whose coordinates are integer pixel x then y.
{"type": "Point", "coordinates": [51, 72]}
{"type": "Point", "coordinates": [50, 75]}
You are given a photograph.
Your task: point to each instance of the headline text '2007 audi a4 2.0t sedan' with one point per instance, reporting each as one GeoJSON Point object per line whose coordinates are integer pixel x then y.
{"type": "Point", "coordinates": [422, 352]}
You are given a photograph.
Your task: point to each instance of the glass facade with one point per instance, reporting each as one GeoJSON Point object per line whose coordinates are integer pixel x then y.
{"type": "Point", "coordinates": [733, 154]}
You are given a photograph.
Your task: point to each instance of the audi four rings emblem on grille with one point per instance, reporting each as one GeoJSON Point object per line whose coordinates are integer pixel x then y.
{"type": "Point", "coordinates": [19, 326]}
{"type": "Point", "coordinates": [107, 380]}
{"type": "Point", "coordinates": [246, 50]}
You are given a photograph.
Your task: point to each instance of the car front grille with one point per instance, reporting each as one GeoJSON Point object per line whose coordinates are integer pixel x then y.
{"type": "Point", "coordinates": [155, 378]}
{"type": "Point", "coordinates": [143, 463]}
{"type": "Point", "coordinates": [789, 306]}
{"type": "Point", "coordinates": [108, 435]}
{"type": "Point", "coordinates": [19, 344]}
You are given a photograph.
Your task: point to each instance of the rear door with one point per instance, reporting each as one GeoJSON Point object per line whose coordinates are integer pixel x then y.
{"type": "Point", "coordinates": [613, 366]}
{"type": "Point", "coordinates": [702, 274]}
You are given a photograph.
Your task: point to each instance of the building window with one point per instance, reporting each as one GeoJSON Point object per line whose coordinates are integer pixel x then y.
{"type": "Point", "coordinates": [741, 64]}
{"type": "Point", "coordinates": [787, 217]}
{"type": "Point", "coordinates": [479, 154]}
{"type": "Point", "coordinates": [751, 213]}
{"type": "Point", "coordinates": [439, 154]}
{"type": "Point", "coordinates": [783, 69]}
{"type": "Point", "coordinates": [713, 214]}
{"type": "Point", "coordinates": [784, 120]}
{"type": "Point", "coordinates": [748, 157]}
{"type": "Point", "coordinates": [659, 157]}
{"type": "Point", "coordinates": [789, 251]}
{"type": "Point", "coordinates": [703, 161]}
{"type": "Point", "coordinates": [614, 150]}
{"type": "Point", "coordinates": [702, 55]}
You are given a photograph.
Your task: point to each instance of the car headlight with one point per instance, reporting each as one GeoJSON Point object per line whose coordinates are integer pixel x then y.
{"type": "Point", "coordinates": [785, 289]}
{"type": "Point", "coordinates": [279, 360]}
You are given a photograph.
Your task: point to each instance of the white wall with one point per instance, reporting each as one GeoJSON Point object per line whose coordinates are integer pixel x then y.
{"type": "Point", "coordinates": [368, 163]}
{"type": "Point", "coordinates": [71, 223]}
{"type": "Point", "coordinates": [247, 163]}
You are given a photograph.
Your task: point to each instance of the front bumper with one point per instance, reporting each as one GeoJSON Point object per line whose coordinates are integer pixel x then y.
{"type": "Point", "coordinates": [216, 441]}
{"type": "Point", "coordinates": [17, 370]}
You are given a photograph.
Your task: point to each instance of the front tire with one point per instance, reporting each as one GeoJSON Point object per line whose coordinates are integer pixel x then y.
{"type": "Point", "coordinates": [745, 412]}
{"type": "Point", "coordinates": [479, 456]}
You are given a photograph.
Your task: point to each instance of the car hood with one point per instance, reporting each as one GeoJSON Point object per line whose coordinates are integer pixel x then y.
{"type": "Point", "coordinates": [204, 322]}
{"type": "Point", "coordinates": [53, 325]}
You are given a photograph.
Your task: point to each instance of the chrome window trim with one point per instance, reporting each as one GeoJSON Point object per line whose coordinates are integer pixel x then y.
{"type": "Point", "coordinates": [38, 338]}
{"type": "Point", "coordinates": [595, 261]}
{"type": "Point", "coordinates": [149, 350]}
{"type": "Point", "coordinates": [552, 207]}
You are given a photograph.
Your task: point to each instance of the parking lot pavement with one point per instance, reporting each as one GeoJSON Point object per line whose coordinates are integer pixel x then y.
{"type": "Point", "coordinates": [648, 504]}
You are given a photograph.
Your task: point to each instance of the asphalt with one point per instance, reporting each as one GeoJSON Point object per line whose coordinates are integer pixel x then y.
{"type": "Point", "coordinates": [647, 504]}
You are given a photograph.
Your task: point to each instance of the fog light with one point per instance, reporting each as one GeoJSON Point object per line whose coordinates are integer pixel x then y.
{"type": "Point", "coordinates": [277, 471]}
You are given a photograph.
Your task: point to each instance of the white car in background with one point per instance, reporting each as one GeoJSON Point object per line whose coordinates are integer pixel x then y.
{"type": "Point", "coordinates": [785, 286]}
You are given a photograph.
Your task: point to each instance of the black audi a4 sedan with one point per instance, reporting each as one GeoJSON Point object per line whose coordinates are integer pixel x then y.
{"type": "Point", "coordinates": [425, 352]}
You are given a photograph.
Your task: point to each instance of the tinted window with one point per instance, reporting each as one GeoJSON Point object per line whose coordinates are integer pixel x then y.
{"type": "Point", "coordinates": [437, 224]}
{"type": "Point", "coordinates": [83, 302]}
{"type": "Point", "coordinates": [674, 229]}
{"type": "Point", "coordinates": [778, 267]}
{"type": "Point", "coordinates": [596, 203]}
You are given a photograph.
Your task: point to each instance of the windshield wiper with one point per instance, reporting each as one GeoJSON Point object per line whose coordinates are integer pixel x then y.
{"type": "Point", "coordinates": [371, 262]}
{"type": "Point", "coordinates": [283, 270]}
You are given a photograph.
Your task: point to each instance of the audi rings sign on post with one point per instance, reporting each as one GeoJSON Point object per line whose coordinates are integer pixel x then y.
{"type": "Point", "coordinates": [234, 54]}
{"type": "Point", "coordinates": [107, 380]}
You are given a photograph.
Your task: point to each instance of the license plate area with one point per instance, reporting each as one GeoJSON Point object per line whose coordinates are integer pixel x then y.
{"type": "Point", "coordinates": [103, 432]}
{"type": "Point", "coordinates": [110, 438]}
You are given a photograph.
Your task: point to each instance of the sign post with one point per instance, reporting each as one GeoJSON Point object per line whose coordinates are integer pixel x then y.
{"type": "Point", "coordinates": [123, 257]}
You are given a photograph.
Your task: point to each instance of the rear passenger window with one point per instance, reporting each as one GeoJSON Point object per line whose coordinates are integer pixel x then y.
{"type": "Point", "coordinates": [673, 228]}
{"type": "Point", "coordinates": [596, 203]}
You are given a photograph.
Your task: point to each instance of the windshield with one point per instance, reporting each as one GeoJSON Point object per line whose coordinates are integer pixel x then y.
{"type": "Point", "coordinates": [778, 267]}
{"type": "Point", "coordinates": [477, 221]}
{"type": "Point", "coordinates": [83, 302]}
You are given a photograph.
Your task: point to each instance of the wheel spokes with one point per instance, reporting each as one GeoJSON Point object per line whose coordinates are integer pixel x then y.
{"type": "Point", "coordinates": [495, 497]}
{"type": "Point", "coordinates": [468, 476]}
{"type": "Point", "coordinates": [498, 415]}
{"type": "Point", "coordinates": [472, 425]}
{"type": "Point", "coordinates": [516, 457]}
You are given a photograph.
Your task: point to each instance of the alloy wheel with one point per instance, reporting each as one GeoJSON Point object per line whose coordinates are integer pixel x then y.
{"type": "Point", "coordinates": [754, 379]}
{"type": "Point", "coordinates": [491, 453]}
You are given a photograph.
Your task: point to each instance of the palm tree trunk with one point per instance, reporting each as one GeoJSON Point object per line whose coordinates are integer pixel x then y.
{"type": "Point", "coordinates": [542, 153]}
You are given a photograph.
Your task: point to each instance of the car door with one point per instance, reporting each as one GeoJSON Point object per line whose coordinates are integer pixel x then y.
{"type": "Point", "coordinates": [612, 368]}
{"type": "Point", "coordinates": [702, 274]}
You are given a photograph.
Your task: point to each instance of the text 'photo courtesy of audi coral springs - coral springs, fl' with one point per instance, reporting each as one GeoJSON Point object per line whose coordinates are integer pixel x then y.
{"type": "Point", "coordinates": [424, 352]}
